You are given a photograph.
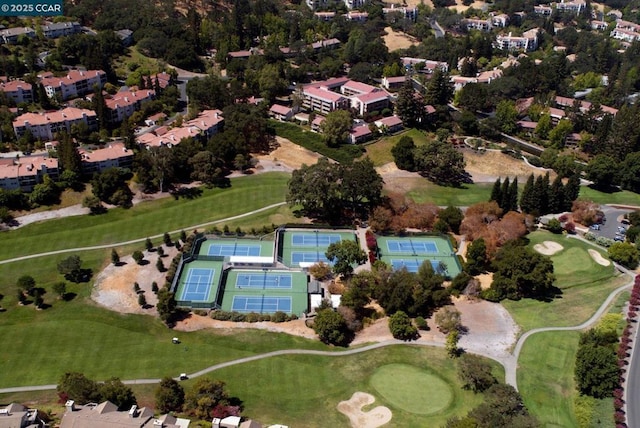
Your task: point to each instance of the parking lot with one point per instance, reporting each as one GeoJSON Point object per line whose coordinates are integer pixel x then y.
{"type": "Point", "coordinates": [612, 228]}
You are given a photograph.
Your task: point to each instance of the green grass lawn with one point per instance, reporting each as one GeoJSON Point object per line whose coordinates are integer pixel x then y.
{"type": "Point", "coordinates": [422, 191]}
{"type": "Point", "coordinates": [545, 379]}
{"type": "Point", "coordinates": [304, 390]}
{"type": "Point", "coordinates": [584, 284]}
{"type": "Point", "coordinates": [623, 197]}
{"type": "Point", "coordinates": [380, 151]}
{"type": "Point", "coordinates": [148, 218]}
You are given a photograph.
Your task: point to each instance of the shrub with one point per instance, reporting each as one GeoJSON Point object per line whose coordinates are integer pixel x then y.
{"type": "Point", "coordinates": [252, 317]}
{"type": "Point", "coordinates": [401, 327]}
{"type": "Point", "coordinates": [265, 317]}
{"type": "Point", "coordinates": [421, 323]}
{"type": "Point", "coordinates": [372, 243]}
{"type": "Point", "coordinates": [570, 228]}
{"type": "Point", "coordinates": [138, 257]}
{"type": "Point", "coordinates": [554, 226]}
{"type": "Point", "coordinates": [279, 317]}
{"type": "Point", "coordinates": [237, 317]}
{"type": "Point", "coordinates": [221, 315]}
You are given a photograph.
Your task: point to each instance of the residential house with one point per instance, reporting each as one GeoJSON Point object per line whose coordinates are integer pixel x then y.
{"type": "Point", "coordinates": [527, 42]}
{"type": "Point", "coordinates": [543, 10]}
{"type": "Point", "coordinates": [281, 113]}
{"type": "Point", "coordinates": [75, 84]}
{"type": "Point", "coordinates": [556, 115]}
{"type": "Point", "coordinates": [10, 35]}
{"type": "Point", "coordinates": [155, 119]}
{"type": "Point", "coordinates": [316, 124]}
{"type": "Point", "coordinates": [351, 88]}
{"type": "Point", "coordinates": [356, 16]}
{"type": "Point", "coordinates": [123, 104]}
{"type": "Point", "coordinates": [360, 134]}
{"type": "Point", "coordinates": [325, 44]}
{"type": "Point", "coordinates": [325, 16]}
{"type": "Point", "coordinates": [209, 122]}
{"type": "Point", "coordinates": [164, 79]}
{"type": "Point", "coordinates": [599, 25]}
{"type": "Point", "coordinates": [170, 138]}
{"type": "Point", "coordinates": [477, 24]}
{"type": "Point", "coordinates": [393, 83]}
{"type": "Point", "coordinates": [106, 415]}
{"type": "Point", "coordinates": [410, 13]}
{"type": "Point", "coordinates": [375, 101]}
{"type": "Point", "coordinates": [44, 126]}
{"type": "Point", "coordinates": [18, 90]}
{"type": "Point", "coordinates": [24, 173]}
{"type": "Point", "coordinates": [236, 422]}
{"type": "Point", "coordinates": [114, 155]}
{"type": "Point", "coordinates": [527, 126]}
{"type": "Point", "coordinates": [423, 65]}
{"type": "Point", "coordinates": [573, 6]}
{"type": "Point", "coordinates": [18, 416]}
{"type": "Point", "coordinates": [54, 30]}
{"type": "Point", "coordinates": [500, 20]}
{"type": "Point", "coordinates": [485, 77]}
{"type": "Point", "coordinates": [125, 36]}
{"type": "Point", "coordinates": [390, 125]}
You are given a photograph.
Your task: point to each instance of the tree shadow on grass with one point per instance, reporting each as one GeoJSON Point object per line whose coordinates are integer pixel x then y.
{"type": "Point", "coordinates": [67, 297]}
{"type": "Point", "coordinates": [187, 193]}
{"type": "Point", "coordinates": [605, 189]}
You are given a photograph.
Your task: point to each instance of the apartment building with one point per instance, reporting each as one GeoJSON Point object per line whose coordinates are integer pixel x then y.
{"type": "Point", "coordinates": [25, 173]}
{"type": "Point", "coordinates": [75, 84]}
{"type": "Point", "coordinates": [123, 104]}
{"type": "Point", "coordinates": [18, 90]}
{"type": "Point", "coordinates": [527, 42]}
{"type": "Point", "coordinates": [53, 30]}
{"type": "Point", "coordinates": [626, 31]}
{"type": "Point", "coordinates": [478, 24]}
{"type": "Point", "coordinates": [114, 155]}
{"type": "Point", "coordinates": [10, 35]}
{"type": "Point", "coordinates": [44, 126]}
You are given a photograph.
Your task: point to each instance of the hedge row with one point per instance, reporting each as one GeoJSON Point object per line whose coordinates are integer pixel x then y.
{"type": "Point", "coordinates": [252, 316]}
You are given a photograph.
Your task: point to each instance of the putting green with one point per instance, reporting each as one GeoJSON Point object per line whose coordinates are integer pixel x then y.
{"type": "Point", "coordinates": [412, 389]}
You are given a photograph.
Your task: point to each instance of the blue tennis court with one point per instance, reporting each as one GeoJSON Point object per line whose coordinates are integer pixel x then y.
{"type": "Point", "coordinates": [410, 246]}
{"type": "Point", "coordinates": [261, 304]}
{"type": "Point", "coordinates": [198, 284]}
{"type": "Point", "coordinates": [308, 257]}
{"type": "Point", "coordinates": [313, 239]}
{"type": "Point", "coordinates": [265, 280]}
{"type": "Point", "coordinates": [233, 250]}
{"type": "Point", "coordinates": [412, 265]}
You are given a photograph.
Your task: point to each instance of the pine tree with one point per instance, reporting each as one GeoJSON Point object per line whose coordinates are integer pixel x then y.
{"type": "Point", "coordinates": [148, 244]}
{"type": "Point", "coordinates": [539, 197]}
{"type": "Point", "coordinates": [496, 192]}
{"type": "Point", "coordinates": [556, 196]}
{"type": "Point", "coordinates": [68, 155]}
{"type": "Point", "coordinates": [115, 258]}
{"type": "Point", "coordinates": [439, 89]}
{"type": "Point", "coordinates": [571, 191]}
{"type": "Point", "coordinates": [504, 196]}
{"type": "Point", "coordinates": [409, 108]}
{"type": "Point", "coordinates": [513, 195]}
{"type": "Point", "coordinates": [526, 200]}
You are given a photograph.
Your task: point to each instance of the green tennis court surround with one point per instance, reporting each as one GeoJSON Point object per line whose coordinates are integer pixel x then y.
{"type": "Point", "coordinates": [411, 252]}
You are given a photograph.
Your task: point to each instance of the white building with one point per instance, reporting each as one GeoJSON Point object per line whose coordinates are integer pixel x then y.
{"type": "Point", "coordinates": [76, 83]}
{"type": "Point", "coordinates": [44, 126]}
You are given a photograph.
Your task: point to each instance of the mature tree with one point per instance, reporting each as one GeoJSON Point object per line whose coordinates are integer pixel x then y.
{"type": "Point", "coordinates": [475, 373]}
{"type": "Point", "coordinates": [520, 272]}
{"type": "Point", "coordinates": [503, 408]}
{"type": "Point", "coordinates": [451, 344]}
{"type": "Point", "coordinates": [45, 193]}
{"type": "Point", "coordinates": [527, 202]}
{"type": "Point", "coordinates": [204, 396]}
{"type": "Point", "coordinates": [410, 107]}
{"type": "Point", "coordinates": [345, 254]}
{"type": "Point", "coordinates": [71, 268]}
{"type": "Point", "coordinates": [401, 326]}
{"type": "Point", "coordinates": [76, 386]}
{"type": "Point", "coordinates": [630, 172]}
{"type": "Point", "coordinates": [473, 97]}
{"type": "Point", "coordinates": [26, 283]}
{"type": "Point", "coordinates": [477, 259]}
{"type": "Point", "coordinates": [439, 89]}
{"type": "Point", "coordinates": [94, 204]}
{"type": "Point", "coordinates": [331, 328]}
{"type": "Point", "coordinates": [448, 319]}
{"type": "Point", "coordinates": [208, 169]}
{"type": "Point", "coordinates": [110, 186]}
{"type": "Point", "coordinates": [169, 396]}
{"type": "Point", "coordinates": [453, 217]}
{"type": "Point", "coordinates": [603, 171]}
{"type": "Point", "coordinates": [335, 128]}
{"type": "Point", "coordinates": [625, 253]}
{"type": "Point", "coordinates": [148, 245]}
{"type": "Point", "coordinates": [507, 116]}
{"type": "Point", "coordinates": [543, 127]}
{"type": "Point", "coordinates": [325, 190]}
{"type": "Point", "coordinates": [560, 132]}
{"type": "Point", "coordinates": [118, 393]}
{"type": "Point", "coordinates": [402, 153]}
{"type": "Point", "coordinates": [166, 305]}
{"type": "Point", "coordinates": [440, 162]}
{"type": "Point", "coordinates": [60, 288]}
{"type": "Point", "coordinates": [596, 370]}
{"type": "Point", "coordinates": [68, 155]}
{"type": "Point", "coordinates": [358, 291]}
{"type": "Point", "coordinates": [208, 93]}
{"type": "Point", "coordinates": [138, 257]}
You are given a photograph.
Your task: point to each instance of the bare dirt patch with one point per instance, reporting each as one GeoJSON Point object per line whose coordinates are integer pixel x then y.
{"type": "Point", "coordinates": [398, 40]}
{"type": "Point", "coordinates": [488, 166]}
{"type": "Point", "coordinates": [197, 322]}
{"type": "Point", "coordinates": [374, 418]}
{"type": "Point", "coordinates": [113, 287]}
{"type": "Point", "coordinates": [416, 3]}
{"type": "Point", "coordinates": [289, 155]}
{"type": "Point", "coordinates": [491, 329]}
{"type": "Point", "coordinates": [597, 257]}
{"type": "Point", "coordinates": [460, 7]}
{"type": "Point", "coordinates": [548, 248]}
{"type": "Point", "coordinates": [485, 280]}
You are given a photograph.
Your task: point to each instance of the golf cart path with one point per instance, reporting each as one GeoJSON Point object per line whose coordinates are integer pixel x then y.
{"type": "Point", "coordinates": [134, 241]}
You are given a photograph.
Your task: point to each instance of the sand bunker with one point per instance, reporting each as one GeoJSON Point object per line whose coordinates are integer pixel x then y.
{"type": "Point", "coordinates": [374, 418]}
{"type": "Point", "coordinates": [548, 248]}
{"type": "Point", "coordinates": [597, 257]}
